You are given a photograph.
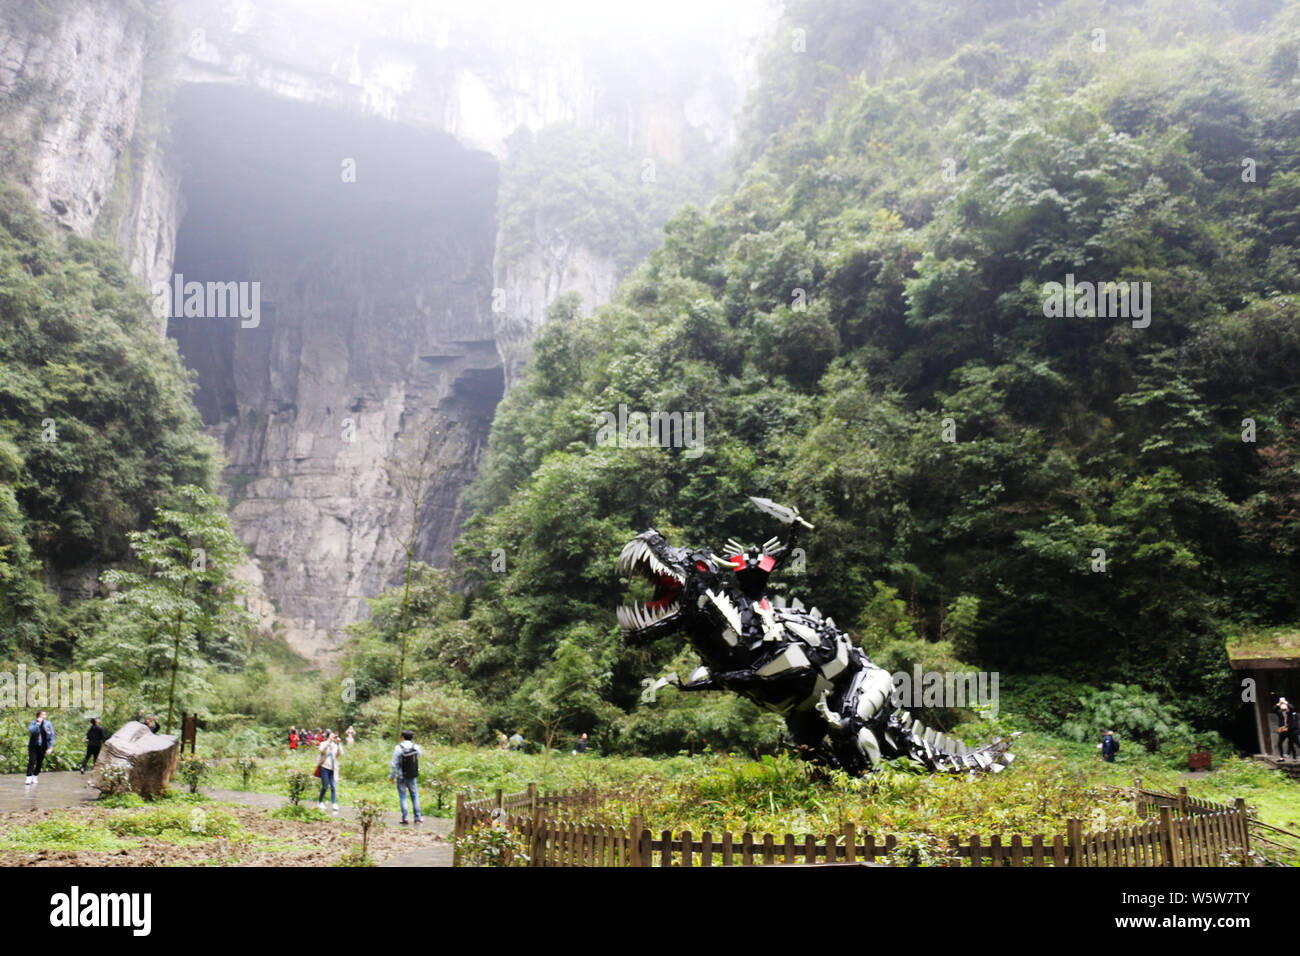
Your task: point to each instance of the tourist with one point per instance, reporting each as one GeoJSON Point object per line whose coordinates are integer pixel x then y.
{"type": "Point", "coordinates": [40, 742]}
{"type": "Point", "coordinates": [330, 751]}
{"type": "Point", "coordinates": [293, 741]}
{"type": "Point", "coordinates": [94, 740]}
{"type": "Point", "coordinates": [502, 741]}
{"type": "Point", "coordinates": [1109, 746]}
{"type": "Point", "coordinates": [1288, 729]}
{"type": "Point", "coordinates": [517, 741]}
{"type": "Point", "coordinates": [581, 746]}
{"type": "Point", "coordinates": [352, 735]}
{"type": "Point", "coordinates": [153, 723]}
{"type": "Point", "coordinates": [405, 771]}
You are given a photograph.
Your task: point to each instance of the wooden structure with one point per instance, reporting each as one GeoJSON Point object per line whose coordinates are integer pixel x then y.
{"type": "Point", "coordinates": [1183, 832]}
{"type": "Point", "coordinates": [189, 731]}
{"type": "Point", "coordinates": [1272, 664]}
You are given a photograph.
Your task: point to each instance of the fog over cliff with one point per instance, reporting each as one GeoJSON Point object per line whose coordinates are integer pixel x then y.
{"type": "Point", "coordinates": [367, 168]}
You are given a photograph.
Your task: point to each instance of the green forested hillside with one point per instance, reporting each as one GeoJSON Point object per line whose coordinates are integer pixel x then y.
{"type": "Point", "coordinates": [96, 426]}
{"type": "Point", "coordinates": [874, 283]}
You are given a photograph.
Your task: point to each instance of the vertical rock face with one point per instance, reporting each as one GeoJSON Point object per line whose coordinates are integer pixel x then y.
{"type": "Point", "coordinates": [342, 159]}
{"type": "Point", "coordinates": [370, 246]}
{"type": "Point", "coordinates": [71, 86]}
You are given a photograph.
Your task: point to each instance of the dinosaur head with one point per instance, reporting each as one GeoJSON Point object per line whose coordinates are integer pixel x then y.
{"type": "Point", "coordinates": [680, 576]}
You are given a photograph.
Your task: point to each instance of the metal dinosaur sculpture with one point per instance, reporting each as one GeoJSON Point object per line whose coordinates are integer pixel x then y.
{"type": "Point", "coordinates": [783, 658]}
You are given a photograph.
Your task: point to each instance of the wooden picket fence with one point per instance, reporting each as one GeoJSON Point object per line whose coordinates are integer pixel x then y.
{"type": "Point", "coordinates": [1187, 833]}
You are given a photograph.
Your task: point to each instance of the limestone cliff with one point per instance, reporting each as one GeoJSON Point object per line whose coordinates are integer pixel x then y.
{"type": "Point", "coordinates": [346, 160]}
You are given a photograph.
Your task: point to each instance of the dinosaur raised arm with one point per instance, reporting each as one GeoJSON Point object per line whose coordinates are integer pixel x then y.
{"type": "Point", "coordinates": [781, 546]}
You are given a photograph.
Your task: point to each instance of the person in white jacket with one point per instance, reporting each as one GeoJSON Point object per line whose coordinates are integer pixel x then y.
{"type": "Point", "coordinates": [405, 772]}
{"type": "Point", "coordinates": [330, 752]}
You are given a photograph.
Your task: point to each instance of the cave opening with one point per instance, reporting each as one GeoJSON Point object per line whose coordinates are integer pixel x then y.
{"type": "Point", "coordinates": [371, 247]}
{"type": "Point", "coordinates": [367, 243]}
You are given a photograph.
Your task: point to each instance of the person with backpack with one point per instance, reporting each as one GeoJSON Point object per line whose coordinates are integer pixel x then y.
{"type": "Point", "coordinates": [40, 741]}
{"type": "Point", "coordinates": [1109, 746]}
{"type": "Point", "coordinates": [94, 740]}
{"type": "Point", "coordinates": [405, 771]}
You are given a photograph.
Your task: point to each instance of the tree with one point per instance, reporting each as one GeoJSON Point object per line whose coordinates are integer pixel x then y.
{"type": "Point", "coordinates": [565, 694]}
{"type": "Point", "coordinates": [185, 596]}
{"type": "Point", "coordinates": [413, 473]}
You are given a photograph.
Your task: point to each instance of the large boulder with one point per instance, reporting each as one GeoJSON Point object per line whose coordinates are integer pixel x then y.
{"type": "Point", "coordinates": [150, 758]}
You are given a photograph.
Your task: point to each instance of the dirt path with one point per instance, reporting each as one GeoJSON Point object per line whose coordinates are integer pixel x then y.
{"type": "Point", "coordinates": [72, 790]}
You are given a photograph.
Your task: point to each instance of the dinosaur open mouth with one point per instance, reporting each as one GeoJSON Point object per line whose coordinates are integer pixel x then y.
{"type": "Point", "coordinates": [638, 558]}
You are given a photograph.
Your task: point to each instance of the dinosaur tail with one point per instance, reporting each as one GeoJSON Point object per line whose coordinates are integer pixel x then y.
{"type": "Point", "coordinates": [942, 753]}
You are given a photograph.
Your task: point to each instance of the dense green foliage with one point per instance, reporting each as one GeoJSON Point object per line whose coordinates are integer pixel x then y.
{"type": "Point", "coordinates": [96, 426]}
{"type": "Point", "coordinates": [567, 187]}
{"type": "Point", "coordinates": [862, 323]}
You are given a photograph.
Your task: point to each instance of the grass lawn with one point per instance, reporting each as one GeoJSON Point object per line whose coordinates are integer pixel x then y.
{"type": "Point", "coordinates": [1051, 781]}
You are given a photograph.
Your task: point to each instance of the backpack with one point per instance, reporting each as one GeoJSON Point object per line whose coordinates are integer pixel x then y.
{"type": "Point", "coordinates": [410, 762]}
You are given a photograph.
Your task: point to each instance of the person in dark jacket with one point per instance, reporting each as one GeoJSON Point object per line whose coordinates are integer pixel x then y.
{"type": "Point", "coordinates": [94, 740]}
{"type": "Point", "coordinates": [40, 742]}
{"type": "Point", "coordinates": [1109, 746]}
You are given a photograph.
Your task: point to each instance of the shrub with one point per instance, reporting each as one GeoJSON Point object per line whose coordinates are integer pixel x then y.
{"type": "Point", "coordinates": [297, 782]}
{"type": "Point", "coordinates": [369, 813]}
{"type": "Point", "coordinates": [1135, 715]}
{"type": "Point", "coordinates": [115, 780]}
{"type": "Point", "coordinates": [192, 770]}
{"type": "Point", "coordinates": [492, 844]}
{"type": "Point", "coordinates": [246, 764]}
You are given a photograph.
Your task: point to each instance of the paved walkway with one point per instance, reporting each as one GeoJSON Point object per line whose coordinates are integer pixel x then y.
{"type": "Point", "coordinates": [71, 789]}
{"type": "Point", "coordinates": [63, 789]}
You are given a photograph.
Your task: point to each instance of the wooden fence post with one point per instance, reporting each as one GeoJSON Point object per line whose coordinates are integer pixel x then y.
{"type": "Point", "coordinates": [1167, 835]}
{"type": "Point", "coordinates": [535, 823]}
{"type": "Point", "coordinates": [634, 828]}
{"type": "Point", "coordinates": [1182, 801]}
{"type": "Point", "coordinates": [1242, 822]}
{"type": "Point", "coordinates": [458, 829]}
{"type": "Point", "coordinates": [1074, 833]}
{"type": "Point", "coordinates": [500, 798]}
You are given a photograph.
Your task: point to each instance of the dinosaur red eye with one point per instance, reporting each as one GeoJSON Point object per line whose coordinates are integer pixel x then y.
{"type": "Point", "coordinates": [767, 562]}
{"type": "Point", "coordinates": [738, 562]}
{"type": "Point", "coordinates": [701, 566]}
